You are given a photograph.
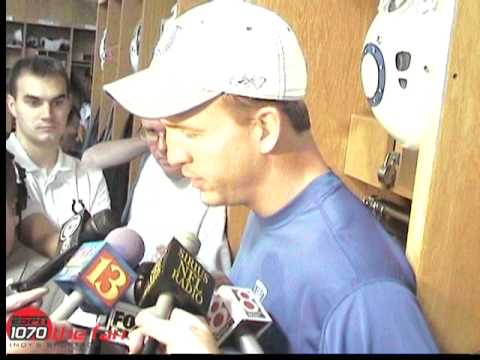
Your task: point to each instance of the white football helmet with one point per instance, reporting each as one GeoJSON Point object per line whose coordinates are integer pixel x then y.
{"type": "Point", "coordinates": [135, 48]}
{"type": "Point", "coordinates": [102, 49]}
{"type": "Point", "coordinates": [404, 65]}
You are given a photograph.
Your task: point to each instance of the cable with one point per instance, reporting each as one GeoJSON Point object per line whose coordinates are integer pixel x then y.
{"type": "Point", "coordinates": [201, 221]}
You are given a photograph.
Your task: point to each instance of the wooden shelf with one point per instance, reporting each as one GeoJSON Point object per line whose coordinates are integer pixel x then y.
{"type": "Point", "coordinates": [48, 51]}
{"type": "Point", "coordinates": [81, 64]}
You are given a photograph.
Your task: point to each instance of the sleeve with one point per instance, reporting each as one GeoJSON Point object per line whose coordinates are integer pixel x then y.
{"type": "Point", "coordinates": [100, 197]}
{"type": "Point", "coordinates": [380, 317]}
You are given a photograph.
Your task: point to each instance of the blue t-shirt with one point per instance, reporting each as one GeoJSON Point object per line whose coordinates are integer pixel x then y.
{"type": "Point", "coordinates": [335, 280]}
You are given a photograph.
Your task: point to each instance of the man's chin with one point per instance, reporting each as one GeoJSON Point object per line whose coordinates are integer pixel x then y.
{"type": "Point", "coordinates": [172, 171]}
{"type": "Point", "coordinates": [49, 139]}
{"type": "Point", "coordinates": [211, 199]}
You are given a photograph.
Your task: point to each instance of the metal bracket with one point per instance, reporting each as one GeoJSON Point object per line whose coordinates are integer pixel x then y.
{"type": "Point", "coordinates": [387, 173]}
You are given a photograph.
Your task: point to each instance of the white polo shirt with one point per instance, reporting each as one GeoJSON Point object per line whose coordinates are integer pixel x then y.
{"type": "Point", "coordinates": [56, 191]}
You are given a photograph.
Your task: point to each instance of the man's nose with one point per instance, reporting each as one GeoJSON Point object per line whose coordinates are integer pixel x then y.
{"type": "Point", "coordinates": [46, 110]}
{"type": "Point", "coordinates": [177, 151]}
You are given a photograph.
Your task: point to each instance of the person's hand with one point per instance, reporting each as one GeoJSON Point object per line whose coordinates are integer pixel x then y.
{"type": "Point", "coordinates": [183, 333]}
{"type": "Point", "coordinates": [19, 300]}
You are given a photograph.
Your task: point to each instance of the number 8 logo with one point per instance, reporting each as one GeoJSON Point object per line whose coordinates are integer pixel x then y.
{"type": "Point", "coordinates": [218, 315]}
{"type": "Point", "coordinates": [247, 299]}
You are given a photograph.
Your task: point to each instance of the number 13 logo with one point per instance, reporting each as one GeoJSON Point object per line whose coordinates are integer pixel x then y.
{"type": "Point", "coordinates": [107, 277]}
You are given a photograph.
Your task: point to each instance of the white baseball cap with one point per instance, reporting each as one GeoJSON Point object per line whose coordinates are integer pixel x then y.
{"type": "Point", "coordinates": [231, 47]}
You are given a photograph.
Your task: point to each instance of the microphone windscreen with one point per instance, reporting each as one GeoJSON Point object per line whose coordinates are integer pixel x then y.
{"type": "Point", "coordinates": [99, 225]}
{"type": "Point", "coordinates": [106, 221]}
{"type": "Point", "coordinates": [128, 244]}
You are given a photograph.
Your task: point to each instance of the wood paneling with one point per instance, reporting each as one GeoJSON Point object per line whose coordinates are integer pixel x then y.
{"type": "Point", "coordinates": [59, 12]}
{"type": "Point", "coordinates": [445, 246]}
{"type": "Point", "coordinates": [112, 54]}
{"type": "Point", "coordinates": [16, 9]}
{"type": "Point", "coordinates": [185, 5]}
{"type": "Point", "coordinates": [367, 145]}
{"type": "Point", "coordinates": [97, 82]}
{"type": "Point", "coordinates": [131, 15]}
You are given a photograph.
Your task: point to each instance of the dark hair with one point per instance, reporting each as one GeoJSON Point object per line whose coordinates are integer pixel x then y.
{"type": "Point", "coordinates": [295, 110]}
{"type": "Point", "coordinates": [41, 66]}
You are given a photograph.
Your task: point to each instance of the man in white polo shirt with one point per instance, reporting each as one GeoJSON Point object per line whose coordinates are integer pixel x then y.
{"type": "Point", "coordinates": [40, 101]}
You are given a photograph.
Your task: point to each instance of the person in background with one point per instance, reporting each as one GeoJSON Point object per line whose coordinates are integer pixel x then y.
{"type": "Point", "coordinates": [228, 81]}
{"type": "Point", "coordinates": [77, 122]}
{"type": "Point", "coordinates": [164, 204]}
{"type": "Point", "coordinates": [39, 98]}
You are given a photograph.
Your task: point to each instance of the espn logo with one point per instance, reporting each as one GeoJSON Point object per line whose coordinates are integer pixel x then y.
{"type": "Point", "coordinates": [29, 328]}
{"type": "Point", "coordinates": [28, 324]}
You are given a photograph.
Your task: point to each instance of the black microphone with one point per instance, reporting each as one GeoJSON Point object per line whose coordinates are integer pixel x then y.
{"type": "Point", "coordinates": [135, 293]}
{"type": "Point", "coordinates": [96, 227]}
{"type": "Point", "coordinates": [100, 225]}
{"type": "Point", "coordinates": [236, 312]}
{"type": "Point", "coordinates": [178, 279]}
{"type": "Point", "coordinates": [82, 227]}
{"type": "Point", "coordinates": [71, 229]}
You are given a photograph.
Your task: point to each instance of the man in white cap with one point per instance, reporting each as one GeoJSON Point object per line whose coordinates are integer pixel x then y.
{"type": "Point", "coordinates": [228, 81]}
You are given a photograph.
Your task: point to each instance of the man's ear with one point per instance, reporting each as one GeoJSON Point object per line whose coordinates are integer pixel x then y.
{"type": "Point", "coordinates": [267, 128]}
{"type": "Point", "coordinates": [11, 105]}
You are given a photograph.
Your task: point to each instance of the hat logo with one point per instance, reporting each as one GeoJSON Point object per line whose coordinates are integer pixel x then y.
{"type": "Point", "coordinates": [253, 81]}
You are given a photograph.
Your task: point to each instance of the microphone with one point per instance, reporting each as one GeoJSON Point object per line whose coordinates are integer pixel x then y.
{"type": "Point", "coordinates": [70, 231]}
{"type": "Point", "coordinates": [100, 225]}
{"type": "Point", "coordinates": [236, 311]}
{"type": "Point", "coordinates": [135, 292]}
{"type": "Point", "coordinates": [74, 233]}
{"type": "Point", "coordinates": [113, 328]}
{"type": "Point", "coordinates": [178, 279]}
{"type": "Point", "coordinates": [82, 227]}
{"type": "Point", "coordinates": [99, 273]}
{"type": "Point", "coordinates": [121, 319]}
{"type": "Point", "coordinates": [119, 322]}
